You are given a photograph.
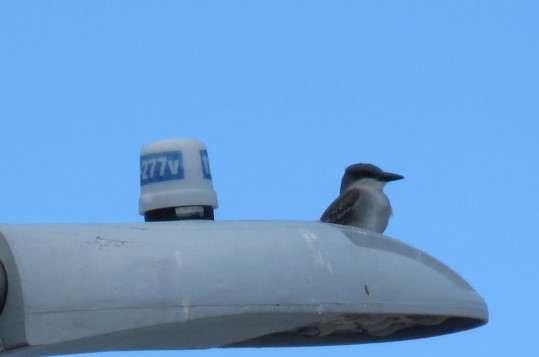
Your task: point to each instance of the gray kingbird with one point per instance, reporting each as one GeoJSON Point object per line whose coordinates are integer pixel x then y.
{"type": "Point", "coordinates": [362, 202]}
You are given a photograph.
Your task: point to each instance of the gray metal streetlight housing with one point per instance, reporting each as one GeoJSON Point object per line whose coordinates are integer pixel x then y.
{"type": "Point", "coordinates": [74, 288]}
{"type": "Point", "coordinates": [182, 280]}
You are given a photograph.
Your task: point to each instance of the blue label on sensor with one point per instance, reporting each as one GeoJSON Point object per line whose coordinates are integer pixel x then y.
{"type": "Point", "coordinates": [162, 166]}
{"type": "Point", "coordinates": [205, 164]}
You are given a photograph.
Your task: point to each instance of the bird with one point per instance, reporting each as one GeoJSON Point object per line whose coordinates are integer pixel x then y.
{"type": "Point", "coordinates": [362, 202]}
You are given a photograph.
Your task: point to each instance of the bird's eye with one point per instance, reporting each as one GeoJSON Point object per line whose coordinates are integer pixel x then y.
{"type": "Point", "coordinates": [364, 174]}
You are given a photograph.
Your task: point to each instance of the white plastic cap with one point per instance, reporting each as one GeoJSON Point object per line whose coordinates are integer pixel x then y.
{"type": "Point", "coordinates": [175, 175]}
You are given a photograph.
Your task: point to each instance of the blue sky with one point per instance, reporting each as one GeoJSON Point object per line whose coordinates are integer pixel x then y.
{"type": "Point", "coordinates": [286, 95]}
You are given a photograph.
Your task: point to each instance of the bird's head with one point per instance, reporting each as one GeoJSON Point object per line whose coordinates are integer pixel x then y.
{"type": "Point", "coordinates": [367, 174]}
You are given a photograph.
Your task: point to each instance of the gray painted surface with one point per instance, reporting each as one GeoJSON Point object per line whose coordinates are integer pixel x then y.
{"type": "Point", "coordinates": [3, 287]}
{"type": "Point", "coordinates": [202, 284]}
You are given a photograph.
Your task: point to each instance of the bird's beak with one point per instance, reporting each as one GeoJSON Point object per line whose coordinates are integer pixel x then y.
{"type": "Point", "coordinates": [388, 176]}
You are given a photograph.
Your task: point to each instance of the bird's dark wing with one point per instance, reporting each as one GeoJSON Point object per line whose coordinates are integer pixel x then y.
{"type": "Point", "coordinates": [341, 210]}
